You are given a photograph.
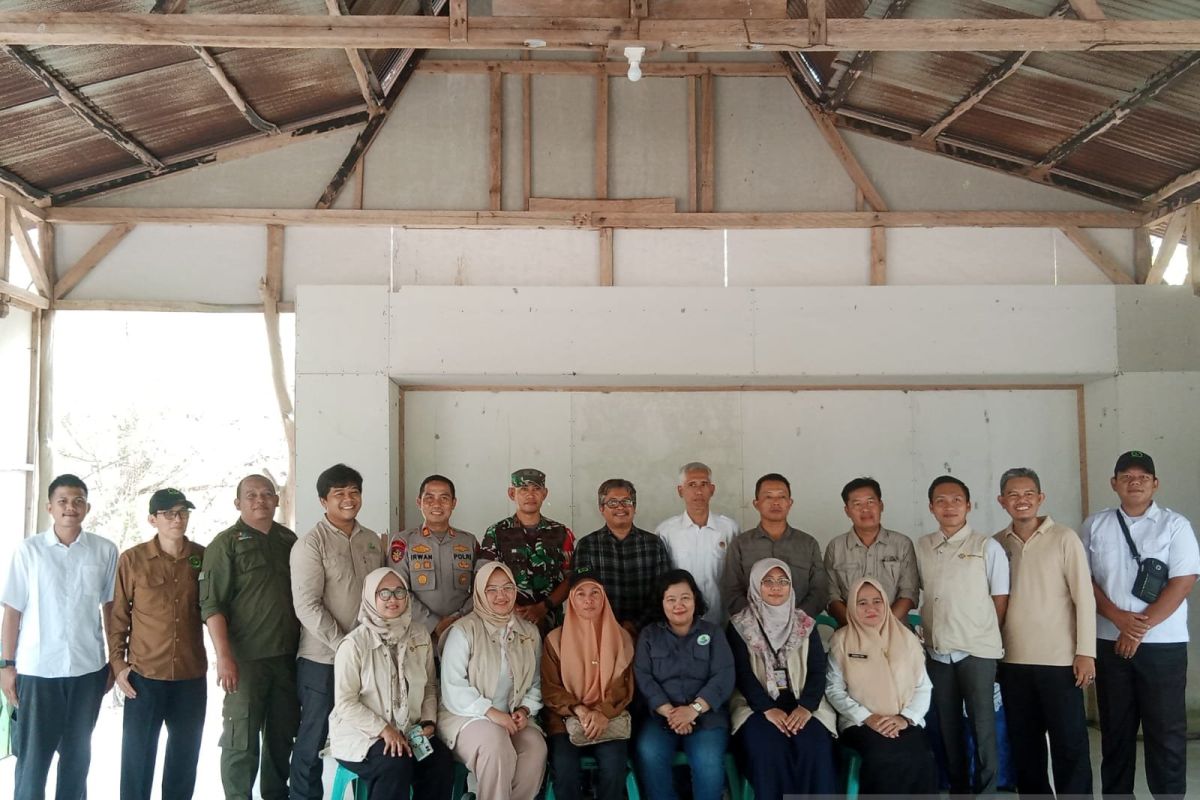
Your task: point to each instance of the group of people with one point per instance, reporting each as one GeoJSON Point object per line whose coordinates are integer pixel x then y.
{"type": "Point", "coordinates": [400, 654]}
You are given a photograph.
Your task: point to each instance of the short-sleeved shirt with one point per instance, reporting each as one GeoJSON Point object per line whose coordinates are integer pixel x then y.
{"type": "Point", "coordinates": [799, 550]}
{"type": "Point", "coordinates": [59, 590]}
{"type": "Point", "coordinates": [891, 559]}
{"type": "Point", "coordinates": [627, 567]}
{"type": "Point", "coordinates": [155, 625]}
{"type": "Point", "coordinates": [701, 550]}
{"type": "Point", "coordinates": [439, 569]}
{"type": "Point", "coordinates": [1159, 533]}
{"type": "Point", "coordinates": [247, 579]}
{"type": "Point", "coordinates": [995, 566]}
{"type": "Point", "coordinates": [540, 557]}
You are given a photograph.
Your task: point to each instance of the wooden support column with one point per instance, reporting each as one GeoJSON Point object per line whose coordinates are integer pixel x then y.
{"type": "Point", "coordinates": [1193, 246]}
{"type": "Point", "coordinates": [707, 144]}
{"type": "Point", "coordinates": [606, 256]}
{"type": "Point", "coordinates": [878, 256]}
{"type": "Point", "coordinates": [458, 21]}
{"type": "Point", "coordinates": [527, 133]}
{"type": "Point", "coordinates": [602, 136]}
{"type": "Point", "coordinates": [271, 290]}
{"type": "Point", "coordinates": [1170, 241]}
{"type": "Point", "coordinates": [693, 201]}
{"type": "Point", "coordinates": [3, 254]}
{"type": "Point", "coordinates": [32, 488]}
{"type": "Point", "coordinates": [1143, 254]}
{"type": "Point", "coordinates": [91, 258]}
{"type": "Point", "coordinates": [45, 410]}
{"type": "Point", "coordinates": [496, 142]}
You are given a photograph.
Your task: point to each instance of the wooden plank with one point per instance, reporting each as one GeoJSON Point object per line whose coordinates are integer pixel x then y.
{"type": "Point", "coordinates": [707, 145]}
{"type": "Point", "coordinates": [634, 205]}
{"type": "Point", "coordinates": [993, 78]}
{"type": "Point", "coordinates": [878, 256]}
{"type": "Point", "coordinates": [639, 9]}
{"type": "Point", "coordinates": [271, 290]}
{"type": "Point", "coordinates": [32, 495]}
{"type": "Point", "coordinates": [488, 33]}
{"type": "Point", "coordinates": [601, 157]}
{"type": "Point", "coordinates": [1104, 261]}
{"type": "Point", "coordinates": [23, 297]}
{"type": "Point", "coordinates": [842, 82]}
{"type": "Point", "coordinates": [1193, 246]}
{"type": "Point", "coordinates": [560, 8]}
{"type": "Point", "coordinates": [69, 304]}
{"type": "Point", "coordinates": [1087, 9]}
{"type": "Point", "coordinates": [33, 259]}
{"type": "Point", "coordinates": [495, 141]}
{"type": "Point", "coordinates": [1081, 428]}
{"type": "Point", "coordinates": [693, 203]}
{"type": "Point", "coordinates": [5, 239]}
{"type": "Point", "coordinates": [1143, 254]}
{"type": "Point", "coordinates": [1166, 250]}
{"type": "Point", "coordinates": [364, 73]}
{"type": "Point", "coordinates": [47, 236]}
{"type": "Point", "coordinates": [95, 254]}
{"type": "Point", "coordinates": [527, 136]}
{"type": "Point", "coordinates": [458, 22]}
{"type": "Point", "coordinates": [606, 256]}
{"type": "Point", "coordinates": [717, 9]}
{"type": "Point", "coordinates": [1185, 181]}
{"type": "Point", "coordinates": [818, 30]}
{"type": "Point", "coordinates": [233, 93]}
{"type": "Point", "coordinates": [22, 192]}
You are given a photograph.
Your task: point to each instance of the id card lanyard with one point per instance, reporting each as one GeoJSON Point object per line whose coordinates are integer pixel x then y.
{"type": "Point", "coordinates": [779, 673]}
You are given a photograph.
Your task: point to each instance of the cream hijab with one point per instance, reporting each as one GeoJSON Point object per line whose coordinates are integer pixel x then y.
{"type": "Point", "coordinates": [483, 605]}
{"type": "Point", "coordinates": [391, 631]}
{"type": "Point", "coordinates": [592, 653]}
{"type": "Point", "coordinates": [883, 665]}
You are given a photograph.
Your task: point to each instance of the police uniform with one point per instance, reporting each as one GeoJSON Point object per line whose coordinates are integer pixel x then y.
{"type": "Point", "coordinates": [439, 569]}
{"type": "Point", "coordinates": [247, 578]}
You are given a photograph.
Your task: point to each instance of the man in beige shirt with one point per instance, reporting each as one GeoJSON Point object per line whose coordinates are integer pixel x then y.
{"type": "Point", "coordinates": [329, 564]}
{"type": "Point", "coordinates": [1049, 642]}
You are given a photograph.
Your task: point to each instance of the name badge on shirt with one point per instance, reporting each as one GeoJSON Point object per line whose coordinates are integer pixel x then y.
{"type": "Point", "coordinates": [780, 678]}
{"type": "Point", "coordinates": [857, 655]}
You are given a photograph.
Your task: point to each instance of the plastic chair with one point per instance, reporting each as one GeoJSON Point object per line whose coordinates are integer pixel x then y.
{"type": "Point", "coordinates": [853, 765]}
{"type": "Point", "coordinates": [588, 763]}
{"type": "Point", "coordinates": [343, 779]}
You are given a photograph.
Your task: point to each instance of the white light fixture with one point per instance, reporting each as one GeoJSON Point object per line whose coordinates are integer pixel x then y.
{"type": "Point", "coordinates": [634, 54]}
{"type": "Point", "coordinates": [535, 43]}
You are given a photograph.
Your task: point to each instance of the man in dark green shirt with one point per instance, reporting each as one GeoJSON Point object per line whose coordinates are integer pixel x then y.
{"type": "Point", "coordinates": [246, 601]}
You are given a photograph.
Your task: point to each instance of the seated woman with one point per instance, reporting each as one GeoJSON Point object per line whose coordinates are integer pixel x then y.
{"type": "Point", "coordinates": [684, 671]}
{"type": "Point", "coordinates": [587, 681]}
{"type": "Point", "coordinates": [877, 682]}
{"type": "Point", "coordinates": [781, 725]}
{"type": "Point", "coordinates": [384, 684]}
{"type": "Point", "coordinates": [491, 690]}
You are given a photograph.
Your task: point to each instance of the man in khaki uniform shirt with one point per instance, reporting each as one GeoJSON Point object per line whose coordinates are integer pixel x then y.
{"type": "Point", "coordinates": [1049, 642]}
{"type": "Point", "coordinates": [329, 564]}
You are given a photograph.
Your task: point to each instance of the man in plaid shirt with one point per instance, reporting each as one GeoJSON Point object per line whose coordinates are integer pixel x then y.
{"type": "Point", "coordinates": [627, 559]}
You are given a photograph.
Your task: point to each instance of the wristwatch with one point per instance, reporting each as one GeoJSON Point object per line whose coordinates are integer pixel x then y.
{"type": "Point", "coordinates": [699, 709]}
{"type": "Point", "coordinates": [5, 663]}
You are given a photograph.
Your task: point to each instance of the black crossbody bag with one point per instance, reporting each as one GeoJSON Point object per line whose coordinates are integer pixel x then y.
{"type": "Point", "coordinates": [1152, 574]}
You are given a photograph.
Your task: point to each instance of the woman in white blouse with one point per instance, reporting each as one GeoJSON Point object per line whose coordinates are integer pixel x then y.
{"type": "Point", "coordinates": [876, 681]}
{"type": "Point", "coordinates": [491, 691]}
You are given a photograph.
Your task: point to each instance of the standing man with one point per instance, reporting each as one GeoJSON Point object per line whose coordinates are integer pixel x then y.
{"type": "Point", "coordinates": [538, 550]}
{"type": "Point", "coordinates": [1049, 637]}
{"type": "Point", "coordinates": [1141, 652]}
{"type": "Point", "coordinates": [156, 650]}
{"type": "Point", "coordinates": [965, 578]}
{"type": "Point", "coordinates": [436, 561]}
{"type": "Point", "coordinates": [869, 550]}
{"type": "Point", "coordinates": [698, 539]}
{"type": "Point", "coordinates": [246, 601]}
{"type": "Point", "coordinates": [626, 559]}
{"type": "Point", "coordinates": [329, 564]}
{"type": "Point", "coordinates": [773, 537]}
{"type": "Point", "coordinates": [52, 667]}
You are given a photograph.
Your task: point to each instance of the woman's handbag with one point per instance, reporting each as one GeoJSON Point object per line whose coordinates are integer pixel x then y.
{"type": "Point", "coordinates": [619, 727]}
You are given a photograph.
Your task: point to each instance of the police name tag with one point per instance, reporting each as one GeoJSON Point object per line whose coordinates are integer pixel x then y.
{"type": "Point", "coordinates": [780, 678]}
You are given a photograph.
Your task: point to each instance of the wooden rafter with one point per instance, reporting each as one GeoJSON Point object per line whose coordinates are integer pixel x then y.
{"type": "Point", "coordinates": [1115, 271]}
{"type": "Point", "coordinates": [82, 108]}
{"type": "Point", "coordinates": [271, 291]}
{"type": "Point", "coordinates": [33, 259]}
{"type": "Point", "coordinates": [14, 187]}
{"type": "Point", "coordinates": [22, 297]}
{"type": "Point", "coordinates": [861, 60]}
{"type": "Point", "coordinates": [1179, 184]}
{"type": "Point", "coordinates": [95, 254]}
{"type": "Point", "coordinates": [569, 33]}
{"type": "Point", "coordinates": [495, 141]}
{"type": "Point", "coordinates": [1118, 112]}
{"type": "Point", "coordinates": [233, 93]}
{"type": "Point", "coordinates": [1166, 248]}
{"type": "Point", "coordinates": [364, 73]}
{"type": "Point", "coordinates": [818, 27]}
{"type": "Point", "coordinates": [614, 69]}
{"type": "Point", "coordinates": [1193, 246]}
{"type": "Point", "coordinates": [1087, 9]}
{"type": "Point", "coordinates": [169, 7]}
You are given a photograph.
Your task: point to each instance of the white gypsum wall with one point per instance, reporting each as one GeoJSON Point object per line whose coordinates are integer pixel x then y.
{"type": "Point", "coordinates": [15, 342]}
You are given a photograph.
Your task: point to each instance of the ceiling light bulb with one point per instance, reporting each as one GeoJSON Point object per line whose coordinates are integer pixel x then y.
{"type": "Point", "coordinates": [635, 71]}
{"type": "Point", "coordinates": [634, 54]}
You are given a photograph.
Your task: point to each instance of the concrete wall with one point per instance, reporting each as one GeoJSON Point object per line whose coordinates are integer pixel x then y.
{"type": "Point", "coordinates": [15, 338]}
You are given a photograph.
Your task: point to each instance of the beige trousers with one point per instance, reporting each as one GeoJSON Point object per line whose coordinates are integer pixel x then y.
{"type": "Point", "coordinates": [507, 768]}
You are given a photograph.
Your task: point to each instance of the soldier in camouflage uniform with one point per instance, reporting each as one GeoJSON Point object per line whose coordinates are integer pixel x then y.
{"type": "Point", "coordinates": [537, 550]}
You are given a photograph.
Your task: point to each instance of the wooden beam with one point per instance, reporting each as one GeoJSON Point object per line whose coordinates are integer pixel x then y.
{"type": "Point", "coordinates": [527, 136]}
{"type": "Point", "coordinates": [1117, 113]}
{"type": "Point", "coordinates": [1193, 247]}
{"type": "Point", "coordinates": [606, 256]}
{"type": "Point", "coordinates": [878, 256]}
{"type": "Point", "coordinates": [580, 217]}
{"type": "Point", "coordinates": [69, 304]}
{"type": "Point", "coordinates": [1104, 261]}
{"type": "Point", "coordinates": [458, 22]}
{"type": "Point", "coordinates": [818, 29]}
{"type": "Point", "coordinates": [560, 8]}
{"type": "Point", "coordinates": [22, 297]}
{"type": "Point", "coordinates": [1184, 181]}
{"type": "Point", "coordinates": [14, 187]}
{"type": "Point", "coordinates": [717, 9]}
{"type": "Point", "coordinates": [169, 7]}
{"type": "Point", "coordinates": [566, 33]}
{"type": "Point", "coordinates": [95, 254]}
{"type": "Point", "coordinates": [707, 145]}
{"type": "Point", "coordinates": [693, 162]}
{"type": "Point", "coordinates": [271, 290]}
{"type": "Point", "coordinates": [991, 79]}
{"type": "Point", "coordinates": [601, 158]}
{"type": "Point", "coordinates": [496, 142]}
{"type": "Point", "coordinates": [32, 449]}
{"type": "Point", "coordinates": [81, 107]}
{"type": "Point", "coordinates": [861, 61]}
{"type": "Point", "coordinates": [5, 239]}
{"type": "Point", "coordinates": [1087, 9]}
{"type": "Point", "coordinates": [1166, 250]}
{"type": "Point", "coordinates": [614, 69]}
{"type": "Point", "coordinates": [634, 205]}
{"type": "Point", "coordinates": [32, 258]}
{"type": "Point", "coordinates": [235, 96]}
{"type": "Point", "coordinates": [364, 73]}
{"type": "Point", "coordinates": [1143, 254]}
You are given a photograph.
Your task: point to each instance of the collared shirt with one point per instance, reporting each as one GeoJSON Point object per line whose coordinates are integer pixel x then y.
{"type": "Point", "coordinates": [796, 548]}
{"type": "Point", "coordinates": [1159, 533]}
{"type": "Point", "coordinates": [939, 578]}
{"type": "Point", "coordinates": [59, 590]}
{"type": "Point", "coordinates": [247, 579]}
{"type": "Point", "coordinates": [540, 558]}
{"type": "Point", "coordinates": [155, 625]}
{"type": "Point", "coordinates": [439, 569]}
{"type": "Point", "coordinates": [1051, 615]}
{"type": "Point", "coordinates": [676, 669]}
{"type": "Point", "coordinates": [328, 569]}
{"type": "Point", "coordinates": [627, 567]}
{"type": "Point", "coordinates": [701, 550]}
{"type": "Point", "coordinates": [890, 559]}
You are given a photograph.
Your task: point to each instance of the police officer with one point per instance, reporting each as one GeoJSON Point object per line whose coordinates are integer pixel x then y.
{"type": "Point", "coordinates": [246, 602]}
{"type": "Point", "coordinates": [435, 560]}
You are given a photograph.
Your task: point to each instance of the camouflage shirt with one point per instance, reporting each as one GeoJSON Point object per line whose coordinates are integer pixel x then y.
{"type": "Point", "coordinates": [540, 559]}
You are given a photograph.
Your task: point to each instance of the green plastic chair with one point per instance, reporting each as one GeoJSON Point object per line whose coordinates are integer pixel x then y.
{"type": "Point", "coordinates": [344, 779]}
{"type": "Point", "coordinates": [588, 763]}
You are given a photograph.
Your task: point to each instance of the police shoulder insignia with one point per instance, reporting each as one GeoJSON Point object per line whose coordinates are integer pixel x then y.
{"type": "Point", "coordinates": [397, 551]}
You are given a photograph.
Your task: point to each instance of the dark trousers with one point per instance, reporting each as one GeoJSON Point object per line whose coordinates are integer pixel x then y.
{"type": "Point", "coordinates": [56, 715]}
{"type": "Point", "coordinates": [263, 706]}
{"type": "Point", "coordinates": [900, 766]}
{"type": "Point", "coordinates": [970, 681]}
{"type": "Point", "coordinates": [314, 688]}
{"type": "Point", "coordinates": [611, 760]}
{"type": "Point", "coordinates": [179, 704]}
{"type": "Point", "coordinates": [778, 765]}
{"type": "Point", "coordinates": [1147, 689]}
{"type": "Point", "coordinates": [391, 777]}
{"type": "Point", "coordinates": [1041, 700]}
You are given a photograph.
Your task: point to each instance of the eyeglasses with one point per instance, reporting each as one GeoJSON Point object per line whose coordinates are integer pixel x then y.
{"type": "Point", "coordinates": [174, 515]}
{"type": "Point", "coordinates": [388, 594]}
{"type": "Point", "coordinates": [781, 583]}
{"type": "Point", "coordinates": [624, 502]}
{"type": "Point", "coordinates": [504, 588]}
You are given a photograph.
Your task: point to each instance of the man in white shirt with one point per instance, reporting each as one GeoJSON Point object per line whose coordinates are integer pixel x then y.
{"type": "Point", "coordinates": [54, 668]}
{"type": "Point", "coordinates": [1141, 648]}
{"type": "Point", "coordinates": [698, 539]}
